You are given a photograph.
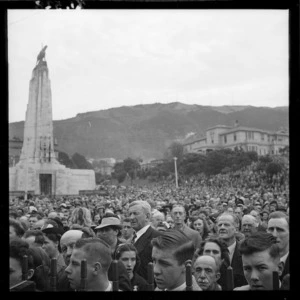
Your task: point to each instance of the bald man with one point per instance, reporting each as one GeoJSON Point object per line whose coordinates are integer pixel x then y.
{"type": "Point", "coordinates": [207, 272]}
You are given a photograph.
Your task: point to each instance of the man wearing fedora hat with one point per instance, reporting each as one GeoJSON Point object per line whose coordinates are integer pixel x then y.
{"type": "Point", "coordinates": [109, 230]}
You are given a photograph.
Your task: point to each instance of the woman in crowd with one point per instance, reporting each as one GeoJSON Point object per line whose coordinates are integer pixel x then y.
{"type": "Point", "coordinates": [81, 216]}
{"type": "Point", "coordinates": [51, 246]}
{"type": "Point", "coordinates": [199, 224]}
{"type": "Point", "coordinates": [127, 254]}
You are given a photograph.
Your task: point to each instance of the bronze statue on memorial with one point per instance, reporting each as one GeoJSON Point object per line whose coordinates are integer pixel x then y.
{"type": "Point", "coordinates": [41, 55]}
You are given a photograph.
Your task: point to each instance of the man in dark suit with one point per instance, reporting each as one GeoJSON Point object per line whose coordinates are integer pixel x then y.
{"type": "Point", "coordinates": [278, 226]}
{"type": "Point", "coordinates": [226, 226]}
{"type": "Point", "coordinates": [260, 255]}
{"type": "Point", "coordinates": [140, 216]}
{"type": "Point", "coordinates": [178, 214]}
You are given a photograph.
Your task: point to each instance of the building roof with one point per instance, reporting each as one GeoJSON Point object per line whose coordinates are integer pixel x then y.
{"type": "Point", "coordinates": [218, 126]}
{"type": "Point", "coordinates": [195, 141]}
{"type": "Point", "coordinates": [243, 128]}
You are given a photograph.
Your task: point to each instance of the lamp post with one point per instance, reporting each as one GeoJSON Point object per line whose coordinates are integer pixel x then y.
{"type": "Point", "coordinates": [176, 177]}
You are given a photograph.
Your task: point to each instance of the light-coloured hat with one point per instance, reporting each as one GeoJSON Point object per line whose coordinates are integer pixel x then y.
{"type": "Point", "coordinates": [32, 208]}
{"type": "Point", "coordinates": [109, 221]}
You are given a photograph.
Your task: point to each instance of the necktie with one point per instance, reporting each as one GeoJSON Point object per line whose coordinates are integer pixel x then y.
{"type": "Point", "coordinates": [133, 238]}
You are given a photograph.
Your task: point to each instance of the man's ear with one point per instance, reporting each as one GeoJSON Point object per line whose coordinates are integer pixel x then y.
{"type": "Point", "coordinates": [148, 216]}
{"type": "Point", "coordinates": [97, 267]}
{"type": "Point", "coordinates": [280, 268]}
{"type": "Point", "coordinates": [218, 275]}
{"type": "Point", "coordinates": [30, 274]}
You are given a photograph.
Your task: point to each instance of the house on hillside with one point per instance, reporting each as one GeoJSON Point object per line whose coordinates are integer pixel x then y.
{"type": "Point", "coordinates": [105, 166]}
{"type": "Point", "coordinates": [151, 164]}
{"type": "Point", "coordinates": [246, 138]}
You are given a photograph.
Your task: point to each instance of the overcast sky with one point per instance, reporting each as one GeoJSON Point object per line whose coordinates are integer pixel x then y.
{"type": "Point", "coordinates": [99, 59]}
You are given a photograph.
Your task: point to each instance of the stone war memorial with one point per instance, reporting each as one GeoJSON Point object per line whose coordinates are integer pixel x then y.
{"type": "Point", "coordinates": [38, 170]}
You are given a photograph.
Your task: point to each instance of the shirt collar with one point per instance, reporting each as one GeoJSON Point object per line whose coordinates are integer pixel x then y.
{"type": "Point", "coordinates": [141, 232]}
{"type": "Point", "coordinates": [109, 288]}
{"type": "Point", "coordinates": [284, 257]}
{"type": "Point", "coordinates": [231, 250]}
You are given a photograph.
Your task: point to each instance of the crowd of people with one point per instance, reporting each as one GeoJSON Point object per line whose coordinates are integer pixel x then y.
{"type": "Point", "coordinates": [237, 221]}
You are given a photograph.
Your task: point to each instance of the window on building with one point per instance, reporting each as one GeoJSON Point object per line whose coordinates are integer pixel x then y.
{"type": "Point", "coordinates": [225, 139]}
{"type": "Point", "coordinates": [262, 137]}
{"type": "Point", "coordinates": [234, 137]}
{"type": "Point", "coordinates": [250, 135]}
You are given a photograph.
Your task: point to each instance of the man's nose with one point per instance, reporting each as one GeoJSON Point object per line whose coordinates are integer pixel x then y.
{"type": "Point", "coordinates": [67, 269]}
{"type": "Point", "coordinates": [254, 275]}
{"type": "Point", "coordinates": [202, 274]}
{"type": "Point", "coordinates": [156, 269]}
{"type": "Point", "coordinates": [69, 251]}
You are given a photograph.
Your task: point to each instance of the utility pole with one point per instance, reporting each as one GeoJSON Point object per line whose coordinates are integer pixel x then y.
{"type": "Point", "coordinates": [176, 176]}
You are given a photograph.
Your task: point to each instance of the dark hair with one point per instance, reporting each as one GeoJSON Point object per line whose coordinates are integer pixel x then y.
{"type": "Point", "coordinates": [203, 211]}
{"type": "Point", "coordinates": [14, 214]}
{"type": "Point", "coordinates": [17, 227]}
{"type": "Point", "coordinates": [97, 248]}
{"type": "Point", "coordinates": [52, 222]}
{"type": "Point", "coordinates": [128, 247]}
{"type": "Point", "coordinates": [175, 240]}
{"type": "Point", "coordinates": [279, 215]}
{"type": "Point", "coordinates": [38, 234]}
{"type": "Point", "coordinates": [55, 238]}
{"type": "Point", "coordinates": [205, 226]}
{"type": "Point", "coordinates": [87, 232]}
{"type": "Point", "coordinates": [223, 248]}
{"type": "Point", "coordinates": [258, 242]}
{"type": "Point", "coordinates": [35, 215]}
{"type": "Point", "coordinates": [38, 260]}
{"type": "Point", "coordinates": [17, 249]}
{"type": "Point", "coordinates": [41, 262]}
{"type": "Point", "coordinates": [126, 220]}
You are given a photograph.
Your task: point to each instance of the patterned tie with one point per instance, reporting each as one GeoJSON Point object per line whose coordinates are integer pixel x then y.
{"type": "Point", "coordinates": [133, 238]}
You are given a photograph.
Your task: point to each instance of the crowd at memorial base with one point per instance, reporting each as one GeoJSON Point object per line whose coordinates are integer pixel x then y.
{"type": "Point", "coordinates": [227, 232]}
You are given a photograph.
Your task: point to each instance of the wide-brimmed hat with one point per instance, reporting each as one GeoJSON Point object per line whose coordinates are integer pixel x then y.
{"type": "Point", "coordinates": [109, 221]}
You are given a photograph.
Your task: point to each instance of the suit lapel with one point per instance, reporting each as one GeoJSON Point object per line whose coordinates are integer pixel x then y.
{"type": "Point", "coordinates": [142, 241]}
{"type": "Point", "coordinates": [236, 256]}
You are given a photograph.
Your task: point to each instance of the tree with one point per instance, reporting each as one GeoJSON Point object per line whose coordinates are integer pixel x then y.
{"type": "Point", "coordinates": [131, 166]}
{"type": "Point", "coordinates": [175, 150]}
{"type": "Point", "coordinates": [119, 172]}
{"type": "Point", "coordinates": [81, 162]}
{"type": "Point", "coordinates": [65, 160]}
{"type": "Point", "coordinates": [273, 168]}
{"type": "Point", "coordinates": [216, 162]}
{"type": "Point", "coordinates": [252, 155]}
{"type": "Point", "coordinates": [193, 163]}
{"type": "Point", "coordinates": [265, 159]}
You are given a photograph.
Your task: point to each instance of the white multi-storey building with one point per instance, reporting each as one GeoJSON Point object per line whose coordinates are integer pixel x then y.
{"type": "Point", "coordinates": [249, 139]}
